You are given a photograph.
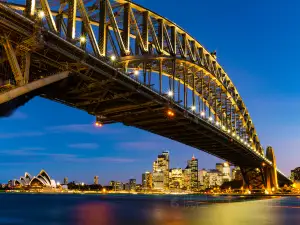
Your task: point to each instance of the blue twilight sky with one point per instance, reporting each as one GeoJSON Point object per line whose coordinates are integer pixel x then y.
{"type": "Point", "coordinates": [258, 45]}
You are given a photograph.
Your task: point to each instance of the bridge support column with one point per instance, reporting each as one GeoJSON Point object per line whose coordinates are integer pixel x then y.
{"type": "Point", "coordinates": [271, 171]}
{"type": "Point", "coordinates": [264, 177]}
{"type": "Point", "coordinates": [253, 178]}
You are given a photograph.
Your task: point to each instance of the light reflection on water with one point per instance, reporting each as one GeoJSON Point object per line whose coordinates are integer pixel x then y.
{"type": "Point", "coordinates": [140, 210]}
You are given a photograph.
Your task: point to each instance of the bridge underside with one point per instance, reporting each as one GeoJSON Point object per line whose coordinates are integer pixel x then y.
{"type": "Point", "coordinates": [98, 88]}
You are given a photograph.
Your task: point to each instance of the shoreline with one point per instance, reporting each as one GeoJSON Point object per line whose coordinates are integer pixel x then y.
{"type": "Point", "coordinates": [149, 194]}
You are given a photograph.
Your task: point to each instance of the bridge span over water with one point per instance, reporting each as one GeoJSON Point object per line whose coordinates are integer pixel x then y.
{"type": "Point", "coordinates": [121, 62]}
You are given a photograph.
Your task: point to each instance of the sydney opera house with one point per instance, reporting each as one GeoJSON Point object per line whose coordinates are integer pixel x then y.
{"type": "Point", "coordinates": [42, 180]}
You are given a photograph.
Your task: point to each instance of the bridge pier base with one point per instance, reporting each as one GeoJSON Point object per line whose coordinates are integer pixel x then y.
{"type": "Point", "coordinates": [264, 177]}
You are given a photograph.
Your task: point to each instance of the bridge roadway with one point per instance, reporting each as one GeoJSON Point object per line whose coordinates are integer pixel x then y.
{"type": "Point", "coordinates": [119, 97]}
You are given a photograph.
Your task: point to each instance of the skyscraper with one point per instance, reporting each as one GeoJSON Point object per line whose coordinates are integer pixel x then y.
{"type": "Point", "coordinates": [96, 180]}
{"type": "Point", "coordinates": [176, 179]}
{"type": "Point", "coordinates": [147, 180]}
{"type": "Point", "coordinates": [187, 175]}
{"type": "Point", "coordinates": [132, 184]}
{"type": "Point", "coordinates": [161, 168]}
{"type": "Point", "coordinates": [66, 180]}
{"type": "Point", "coordinates": [193, 165]}
{"type": "Point", "coordinates": [224, 169]}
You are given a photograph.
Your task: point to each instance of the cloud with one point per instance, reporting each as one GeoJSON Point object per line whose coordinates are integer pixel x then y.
{"type": "Point", "coordinates": [20, 134]}
{"type": "Point", "coordinates": [140, 145]}
{"type": "Point", "coordinates": [79, 128]}
{"type": "Point", "coordinates": [78, 159]}
{"type": "Point", "coordinates": [84, 145]}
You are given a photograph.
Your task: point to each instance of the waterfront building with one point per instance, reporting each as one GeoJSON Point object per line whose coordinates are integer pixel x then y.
{"type": "Point", "coordinates": [42, 180]}
{"type": "Point", "coordinates": [66, 180]}
{"type": "Point", "coordinates": [161, 165]}
{"type": "Point", "coordinates": [224, 168]}
{"type": "Point", "coordinates": [295, 174]}
{"type": "Point", "coordinates": [201, 175]}
{"type": "Point", "coordinates": [187, 175]}
{"type": "Point", "coordinates": [96, 180]}
{"type": "Point", "coordinates": [116, 185]}
{"type": "Point", "coordinates": [175, 179]}
{"type": "Point", "coordinates": [126, 187]}
{"type": "Point", "coordinates": [158, 180]}
{"type": "Point", "coordinates": [237, 174]}
{"type": "Point", "coordinates": [193, 165]}
{"type": "Point", "coordinates": [132, 184]}
{"type": "Point", "coordinates": [213, 178]}
{"type": "Point", "coordinates": [147, 180]}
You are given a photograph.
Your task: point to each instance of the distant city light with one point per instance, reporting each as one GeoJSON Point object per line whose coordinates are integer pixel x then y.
{"type": "Point", "coordinates": [82, 184]}
{"type": "Point", "coordinates": [57, 183]}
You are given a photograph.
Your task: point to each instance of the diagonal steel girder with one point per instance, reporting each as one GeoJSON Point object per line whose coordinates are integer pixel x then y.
{"type": "Point", "coordinates": [14, 93]}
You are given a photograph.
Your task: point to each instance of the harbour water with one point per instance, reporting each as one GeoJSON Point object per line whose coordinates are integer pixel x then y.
{"type": "Point", "coordinates": [58, 209]}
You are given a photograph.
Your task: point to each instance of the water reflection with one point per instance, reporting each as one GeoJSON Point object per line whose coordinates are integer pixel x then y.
{"type": "Point", "coordinates": [146, 210]}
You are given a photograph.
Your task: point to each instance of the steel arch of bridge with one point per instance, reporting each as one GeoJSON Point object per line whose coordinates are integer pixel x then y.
{"type": "Point", "coordinates": [141, 41]}
{"type": "Point", "coordinates": [144, 40]}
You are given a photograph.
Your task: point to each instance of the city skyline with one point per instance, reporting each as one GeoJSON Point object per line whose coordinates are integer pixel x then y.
{"type": "Point", "coordinates": [64, 139]}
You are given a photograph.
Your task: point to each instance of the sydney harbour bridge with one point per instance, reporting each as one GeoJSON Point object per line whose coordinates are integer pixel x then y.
{"type": "Point", "coordinates": [121, 62]}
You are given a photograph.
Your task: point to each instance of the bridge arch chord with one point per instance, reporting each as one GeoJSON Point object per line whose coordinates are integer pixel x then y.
{"type": "Point", "coordinates": [136, 38]}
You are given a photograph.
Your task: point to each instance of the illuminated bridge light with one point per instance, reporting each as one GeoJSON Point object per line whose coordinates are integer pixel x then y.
{"type": "Point", "coordinates": [113, 58]}
{"type": "Point", "coordinates": [228, 131]}
{"type": "Point", "coordinates": [98, 124]}
{"type": "Point", "coordinates": [41, 14]}
{"type": "Point", "coordinates": [82, 39]}
{"type": "Point", "coordinates": [170, 113]}
{"type": "Point", "coordinates": [233, 134]}
{"type": "Point", "coordinates": [224, 128]}
{"type": "Point", "coordinates": [238, 137]}
{"type": "Point", "coordinates": [136, 72]}
{"type": "Point", "coordinates": [193, 108]}
{"type": "Point", "coordinates": [210, 119]}
{"type": "Point", "coordinates": [217, 123]}
{"type": "Point", "coordinates": [202, 113]}
{"type": "Point", "coordinates": [170, 93]}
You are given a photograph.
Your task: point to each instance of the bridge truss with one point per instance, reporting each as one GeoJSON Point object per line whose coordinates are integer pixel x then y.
{"type": "Point", "coordinates": [139, 53]}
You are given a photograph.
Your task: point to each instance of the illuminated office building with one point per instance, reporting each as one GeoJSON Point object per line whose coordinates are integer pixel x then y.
{"type": "Point", "coordinates": [175, 179]}
{"type": "Point", "coordinates": [187, 176]}
{"type": "Point", "coordinates": [295, 174]}
{"type": "Point", "coordinates": [201, 176]}
{"type": "Point", "coordinates": [193, 165]}
{"type": "Point", "coordinates": [132, 184]}
{"type": "Point", "coordinates": [96, 180]}
{"type": "Point", "coordinates": [224, 169]}
{"type": "Point", "coordinates": [147, 180]}
{"type": "Point", "coordinates": [66, 180]}
{"type": "Point", "coordinates": [116, 185]}
{"type": "Point", "coordinates": [161, 168]}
